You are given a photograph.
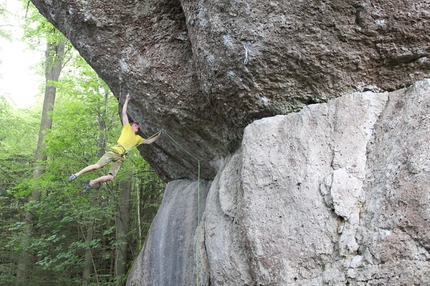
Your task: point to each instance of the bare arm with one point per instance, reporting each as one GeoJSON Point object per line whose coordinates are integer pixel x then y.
{"type": "Point", "coordinates": [151, 140]}
{"type": "Point", "coordinates": [124, 110]}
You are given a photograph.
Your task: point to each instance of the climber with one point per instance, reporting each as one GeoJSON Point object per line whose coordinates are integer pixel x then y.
{"type": "Point", "coordinates": [127, 140]}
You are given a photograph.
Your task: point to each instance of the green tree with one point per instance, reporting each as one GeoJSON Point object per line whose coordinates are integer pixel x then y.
{"type": "Point", "coordinates": [87, 107]}
{"type": "Point", "coordinates": [18, 135]}
{"type": "Point", "coordinates": [4, 21]}
{"type": "Point", "coordinates": [76, 238]}
{"type": "Point", "coordinates": [53, 65]}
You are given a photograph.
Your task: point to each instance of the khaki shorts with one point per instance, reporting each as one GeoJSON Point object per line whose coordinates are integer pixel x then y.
{"type": "Point", "coordinates": [113, 157]}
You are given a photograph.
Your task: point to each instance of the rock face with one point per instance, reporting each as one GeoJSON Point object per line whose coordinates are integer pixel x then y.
{"type": "Point", "coordinates": [183, 62]}
{"type": "Point", "coordinates": [168, 257]}
{"type": "Point", "coordinates": [336, 194]}
{"type": "Point", "coordinates": [314, 154]}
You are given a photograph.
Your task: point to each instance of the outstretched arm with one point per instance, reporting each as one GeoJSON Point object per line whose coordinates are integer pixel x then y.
{"type": "Point", "coordinates": [151, 140]}
{"type": "Point", "coordinates": [124, 110]}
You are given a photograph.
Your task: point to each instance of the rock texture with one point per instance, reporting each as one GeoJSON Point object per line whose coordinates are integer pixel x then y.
{"type": "Point", "coordinates": [168, 257]}
{"type": "Point", "coordinates": [183, 61]}
{"type": "Point", "coordinates": [336, 194]}
{"type": "Point", "coordinates": [395, 226]}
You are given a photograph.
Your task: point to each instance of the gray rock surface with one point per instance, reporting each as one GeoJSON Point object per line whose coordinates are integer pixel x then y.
{"type": "Point", "coordinates": [336, 194]}
{"type": "Point", "coordinates": [183, 62]}
{"type": "Point", "coordinates": [169, 254]}
{"type": "Point", "coordinates": [394, 234]}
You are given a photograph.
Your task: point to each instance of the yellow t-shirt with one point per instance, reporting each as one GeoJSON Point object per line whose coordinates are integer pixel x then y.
{"type": "Point", "coordinates": [128, 139]}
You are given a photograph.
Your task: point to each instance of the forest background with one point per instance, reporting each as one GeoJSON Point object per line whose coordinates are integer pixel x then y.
{"type": "Point", "coordinates": [51, 233]}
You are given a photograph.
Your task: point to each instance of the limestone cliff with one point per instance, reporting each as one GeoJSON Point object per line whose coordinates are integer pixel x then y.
{"type": "Point", "coordinates": [336, 194]}
{"type": "Point", "coordinates": [310, 122]}
{"type": "Point", "coordinates": [183, 61]}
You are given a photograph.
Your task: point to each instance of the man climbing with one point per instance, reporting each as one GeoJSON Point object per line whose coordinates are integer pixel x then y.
{"type": "Point", "coordinates": [127, 140]}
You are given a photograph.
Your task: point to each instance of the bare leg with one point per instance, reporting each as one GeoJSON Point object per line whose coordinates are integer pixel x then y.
{"type": "Point", "coordinates": [87, 169]}
{"type": "Point", "coordinates": [101, 179]}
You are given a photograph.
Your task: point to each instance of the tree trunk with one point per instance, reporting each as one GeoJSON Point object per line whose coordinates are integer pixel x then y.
{"type": "Point", "coordinates": [53, 60]}
{"type": "Point", "coordinates": [139, 221]}
{"type": "Point", "coordinates": [122, 226]}
{"type": "Point", "coordinates": [88, 262]}
{"type": "Point", "coordinates": [102, 143]}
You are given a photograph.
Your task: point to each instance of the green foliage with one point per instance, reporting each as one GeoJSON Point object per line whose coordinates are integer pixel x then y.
{"type": "Point", "coordinates": [18, 138]}
{"type": "Point", "coordinates": [37, 29]}
{"type": "Point", "coordinates": [17, 147]}
{"type": "Point", "coordinates": [4, 21]}
{"type": "Point", "coordinates": [65, 216]}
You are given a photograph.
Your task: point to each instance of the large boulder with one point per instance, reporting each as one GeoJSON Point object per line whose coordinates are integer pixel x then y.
{"type": "Point", "coordinates": [336, 194]}
{"type": "Point", "coordinates": [333, 193]}
{"type": "Point", "coordinates": [184, 62]}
